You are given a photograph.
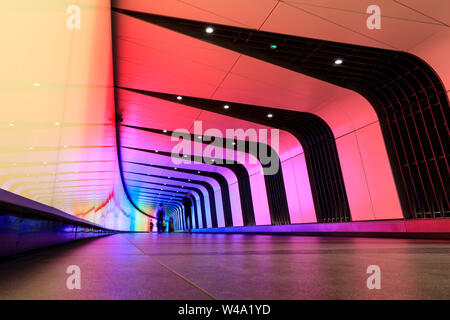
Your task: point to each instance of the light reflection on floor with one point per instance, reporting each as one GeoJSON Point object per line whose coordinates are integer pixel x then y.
{"type": "Point", "coordinates": [205, 266]}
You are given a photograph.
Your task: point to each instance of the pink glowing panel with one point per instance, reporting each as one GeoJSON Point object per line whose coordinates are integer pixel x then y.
{"type": "Point", "coordinates": [293, 200]}
{"type": "Point", "coordinates": [339, 21]}
{"type": "Point", "coordinates": [346, 112]}
{"type": "Point", "coordinates": [219, 208]}
{"type": "Point", "coordinates": [199, 213]}
{"type": "Point", "coordinates": [144, 111]}
{"type": "Point", "coordinates": [257, 82]}
{"type": "Point", "coordinates": [434, 51]}
{"type": "Point", "coordinates": [380, 181]}
{"type": "Point", "coordinates": [304, 189]}
{"type": "Point", "coordinates": [236, 205]}
{"type": "Point", "coordinates": [354, 178]}
{"type": "Point", "coordinates": [159, 65]}
{"type": "Point", "coordinates": [259, 197]}
{"type": "Point", "coordinates": [249, 14]}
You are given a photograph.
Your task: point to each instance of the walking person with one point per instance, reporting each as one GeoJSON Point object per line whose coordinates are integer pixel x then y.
{"type": "Point", "coordinates": [187, 203]}
{"type": "Point", "coordinates": [171, 225]}
{"type": "Point", "coordinates": [151, 225]}
{"type": "Point", "coordinates": [160, 214]}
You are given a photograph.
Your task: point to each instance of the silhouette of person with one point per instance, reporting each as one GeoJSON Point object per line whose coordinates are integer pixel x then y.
{"type": "Point", "coordinates": [160, 214]}
{"type": "Point", "coordinates": [187, 203]}
{"type": "Point", "coordinates": [171, 225]}
{"type": "Point", "coordinates": [151, 225]}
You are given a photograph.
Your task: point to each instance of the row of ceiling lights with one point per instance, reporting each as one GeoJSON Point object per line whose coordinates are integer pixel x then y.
{"type": "Point", "coordinates": [200, 137]}
{"type": "Point", "coordinates": [64, 146]}
{"type": "Point", "coordinates": [226, 107]}
{"type": "Point", "coordinates": [272, 46]}
{"type": "Point", "coordinates": [12, 124]}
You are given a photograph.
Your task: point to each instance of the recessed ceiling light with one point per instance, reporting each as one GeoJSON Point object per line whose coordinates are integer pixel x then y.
{"type": "Point", "coordinates": [234, 143]}
{"type": "Point", "coordinates": [11, 124]}
{"type": "Point", "coordinates": [164, 130]}
{"type": "Point", "coordinates": [36, 84]}
{"type": "Point", "coordinates": [338, 61]}
{"type": "Point", "coordinates": [65, 146]}
{"type": "Point", "coordinates": [209, 30]}
{"type": "Point", "coordinates": [57, 123]}
{"type": "Point", "coordinates": [156, 151]}
{"type": "Point", "coordinates": [226, 106]}
{"type": "Point", "coordinates": [31, 148]}
{"type": "Point", "coordinates": [174, 168]}
{"type": "Point", "coordinates": [269, 115]}
{"type": "Point", "coordinates": [198, 171]}
{"type": "Point", "coordinates": [189, 180]}
{"type": "Point", "coordinates": [199, 137]}
{"type": "Point", "coordinates": [179, 97]}
{"type": "Point", "coordinates": [185, 156]}
{"type": "Point", "coordinates": [273, 46]}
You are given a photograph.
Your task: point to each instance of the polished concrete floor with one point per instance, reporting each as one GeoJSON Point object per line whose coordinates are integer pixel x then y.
{"type": "Point", "coordinates": [203, 266]}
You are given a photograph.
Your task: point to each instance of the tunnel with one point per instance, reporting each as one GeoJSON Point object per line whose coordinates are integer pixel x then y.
{"type": "Point", "coordinates": [246, 150]}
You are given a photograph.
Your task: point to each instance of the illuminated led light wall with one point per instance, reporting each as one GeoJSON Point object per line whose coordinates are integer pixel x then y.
{"type": "Point", "coordinates": [57, 130]}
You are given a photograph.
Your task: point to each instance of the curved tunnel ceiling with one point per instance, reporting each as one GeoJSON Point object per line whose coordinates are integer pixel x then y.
{"type": "Point", "coordinates": [382, 112]}
{"type": "Point", "coordinates": [413, 88]}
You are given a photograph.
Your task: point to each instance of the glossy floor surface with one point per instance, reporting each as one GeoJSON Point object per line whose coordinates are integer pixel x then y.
{"type": "Point", "coordinates": [203, 266]}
